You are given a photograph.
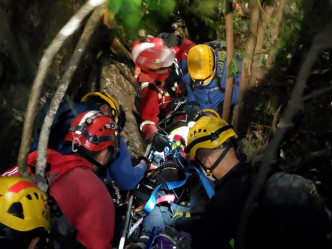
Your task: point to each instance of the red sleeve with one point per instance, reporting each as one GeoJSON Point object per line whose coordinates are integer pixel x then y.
{"type": "Point", "coordinates": [149, 110]}
{"type": "Point", "coordinates": [87, 205]}
{"type": "Point", "coordinates": [11, 172]}
{"type": "Point", "coordinates": [148, 130]}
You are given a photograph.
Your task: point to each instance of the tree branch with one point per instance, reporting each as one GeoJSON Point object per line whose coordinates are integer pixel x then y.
{"type": "Point", "coordinates": [317, 93]}
{"type": "Point", "coordinates": [62, 88]}
{"type": "Point", "coordinates": [45, 63]}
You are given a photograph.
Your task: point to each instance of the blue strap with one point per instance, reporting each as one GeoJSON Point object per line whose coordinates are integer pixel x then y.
{"type": "Point", "coordinates": [207, 185]}
{"type": "Point", "coordinates": [153, 198]}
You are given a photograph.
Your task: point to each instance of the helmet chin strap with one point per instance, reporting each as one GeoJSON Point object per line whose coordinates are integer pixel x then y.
{"type": "Point", "coordinates": [222, 155]}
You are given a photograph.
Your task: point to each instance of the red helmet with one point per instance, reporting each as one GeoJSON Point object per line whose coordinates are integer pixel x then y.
{"type": "Point", "coordinates": [151, 55]}
{"type": "Point", "coordinates": [93, 130]}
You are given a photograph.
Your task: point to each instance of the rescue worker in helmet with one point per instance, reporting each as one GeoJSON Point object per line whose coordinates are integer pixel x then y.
{"type": "Point", "coordinates": [24, 214]}
{"type": "Point", "coordinates": [206, 80]}
{"type": "Point", "coordinates": [155, 67]}
{"type": "Point", "coordinates": [290, 213]}
{"type": "Point", "coordinates": [120, 170]}
{"type": "Point", "coordinates": [82, 201]}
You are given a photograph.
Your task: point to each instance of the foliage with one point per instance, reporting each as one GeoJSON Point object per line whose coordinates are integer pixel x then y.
{"type": "Point", "coordinates": [18, 115]}
{"type": "Point", "coordinates": [135, 14]}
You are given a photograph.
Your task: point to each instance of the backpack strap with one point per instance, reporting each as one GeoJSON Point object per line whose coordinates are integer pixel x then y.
{"type": "Point", "coordinates": [63, 235]}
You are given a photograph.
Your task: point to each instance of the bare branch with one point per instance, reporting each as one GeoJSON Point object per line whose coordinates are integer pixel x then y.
{"type": "Point", "coordinates": [62, 88]}
{"type": "Point", "coordinates": [275, 120]}
{"type": "Point", "coordinates": [44, 65]}
{"type": "Point", "coordinates": [317, 93]}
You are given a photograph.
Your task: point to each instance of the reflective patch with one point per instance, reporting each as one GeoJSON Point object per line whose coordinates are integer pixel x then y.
{"type": "Point", "coordinates": [221, 59]}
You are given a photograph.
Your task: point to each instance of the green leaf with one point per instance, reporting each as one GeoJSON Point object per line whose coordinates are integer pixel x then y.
{"type": "Point", "coordinates": [18, 115]}
{"type": "Point", "coordinates": [232, 68]}
{"type": "Point", "coordinates": [167, 7]}
{"type": "Point", "coordinates": [114, 6]}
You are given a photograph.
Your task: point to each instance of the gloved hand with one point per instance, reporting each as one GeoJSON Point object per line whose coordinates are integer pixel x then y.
{"type": "Point", "coordinates": [192, 108]}
{"type": "Point", "coordinates": [159, 142]}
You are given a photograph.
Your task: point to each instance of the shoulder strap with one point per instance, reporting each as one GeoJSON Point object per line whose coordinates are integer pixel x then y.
{"type": "Point", "coordinates": [154, 88]}
{"type": "Point", "coordinates": [63, 235]}
{"type": "Point", "coordinates": [222, 90]}
{"type": "Point", "coordinates": [207, 185]}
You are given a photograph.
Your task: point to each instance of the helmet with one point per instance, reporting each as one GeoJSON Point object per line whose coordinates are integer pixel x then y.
{"type": "Point", "coordinates": [107, 98]}
{"type": "Point", "coordinates": [208, 132]}
{"type": "Point", "coordinates": [152, 55]}
{"type": "Point", "coordinates": [206, 112]}
{"type": "Point", "coordinates": [201, 64]}
{"type": "Point", "coordinates": [23, 206]}
{"type": "Point", "coordinates": [92, 130]}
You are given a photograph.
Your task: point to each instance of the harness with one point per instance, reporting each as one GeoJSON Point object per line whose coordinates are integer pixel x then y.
{"type": "Point", "coordinates": [162, 94]}
{"type": "Point", "coordinates": [153, 199]}
{"type": "Point", "coordinates": [194, 86]}
{"type": "Point", "coordinates": [63, 234]}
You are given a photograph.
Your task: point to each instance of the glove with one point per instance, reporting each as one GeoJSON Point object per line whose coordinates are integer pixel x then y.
{"type": "Point", "coordinates": [192, 108]}
{"type": "Point", "coordinates": [159, 142]}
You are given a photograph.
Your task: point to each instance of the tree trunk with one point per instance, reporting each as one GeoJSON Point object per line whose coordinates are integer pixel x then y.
{"type": "Point", "coordinates": [249, 53]}
{"type": "Point", "coordinates": [275, 34]}
{"type": "Point", "coordinates": [258, 70]}
{"type": "Point", "coordinates": [250, 46]}
{"type": "Point", "coordinates": [229, 57]}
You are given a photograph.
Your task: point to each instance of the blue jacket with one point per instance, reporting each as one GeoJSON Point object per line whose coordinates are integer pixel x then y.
{"type": "Point", "coordinates": [210, 96]}
{"type": "Point", "coordinates": [120, 170]}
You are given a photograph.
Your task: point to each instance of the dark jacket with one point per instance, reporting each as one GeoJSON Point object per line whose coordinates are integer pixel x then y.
{"type": "Point", "coordinates": [298, 211]}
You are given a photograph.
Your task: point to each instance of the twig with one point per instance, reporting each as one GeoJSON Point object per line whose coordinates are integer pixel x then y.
{"type": "Point", "coordinates": [275, 120]}
{"type": "Point", "coordinates": [45, 63]}
{"type": "Point", "coordinates": [62, 88]}
{"type": "Point", "coordinates": [321, 41]}
{"type": "Point", "coordinates": [317, 93]}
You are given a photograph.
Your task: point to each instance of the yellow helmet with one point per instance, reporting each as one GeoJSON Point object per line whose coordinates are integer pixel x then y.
{"type": "Point", "coordinates": [115, 109]}
{"type": "Point", "coordinates": [23, 206]}
{"type": "Point", "coordinates": [201, 64]}
{"type": "Point", "coordinates": [208, 132]}
{"type": "Point", "coordinates": [206, 112]}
